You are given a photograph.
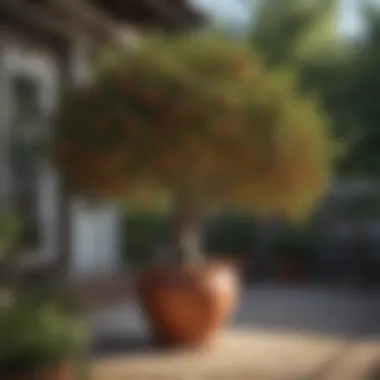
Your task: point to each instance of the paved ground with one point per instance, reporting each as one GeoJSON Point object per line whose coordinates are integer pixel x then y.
{"type": "Point", "coordinates": [338, 312]}
{"type": "Point", "coordinates": [281, 333]}
{"type": "Point", "coordinates": [335, 311]}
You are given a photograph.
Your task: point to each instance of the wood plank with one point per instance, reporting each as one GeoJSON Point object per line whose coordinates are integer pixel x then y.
{"type": "Point", "coordinates": [102, 25]}
{"type": "Point", "coordinates": [167, 15]}
{"type": "Point", "coordinates": [39, 17]}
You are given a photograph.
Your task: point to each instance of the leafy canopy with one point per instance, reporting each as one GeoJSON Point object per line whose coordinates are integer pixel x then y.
{"type": "Point", "coordinates": [294, 32]}
{"type": "Point", "coordinates": [200, 113]}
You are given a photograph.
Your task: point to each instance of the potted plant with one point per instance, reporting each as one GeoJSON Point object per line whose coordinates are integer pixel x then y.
{"type": "Point", "coordinates": [39, 340]}
{"type": "Point", "coordinates": [41, 333]}
{"type": "Point", "coordinates": [200, 119]}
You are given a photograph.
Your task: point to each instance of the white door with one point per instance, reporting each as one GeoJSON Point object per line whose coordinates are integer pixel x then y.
{"type": "Point", "coordinates": [96, 238]}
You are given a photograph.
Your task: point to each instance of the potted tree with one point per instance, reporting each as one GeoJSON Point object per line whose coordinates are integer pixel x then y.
{"type": "Point", "coordinates": [200, 119]}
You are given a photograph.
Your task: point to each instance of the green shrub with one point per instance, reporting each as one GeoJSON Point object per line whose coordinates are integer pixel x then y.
{"type": "Point", "coordinates": [35, 334]}
{"type": "Point", "coordinates": [10, 231]}
{"type": "Point", "coordinates": [229, 235]}
{"type": "Point", "coordinates": [295, 244]}
{"type": "Point", "coordinates": [143, 232]}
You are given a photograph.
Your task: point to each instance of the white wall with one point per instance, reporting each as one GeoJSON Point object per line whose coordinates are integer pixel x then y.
{"type": "Point", "coordinates": [96, 241]}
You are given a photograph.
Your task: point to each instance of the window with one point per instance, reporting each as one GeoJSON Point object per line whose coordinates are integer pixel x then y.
{"type": "Point", "coordinates": [29, 80]}
{"type": "Point", "coordinates": [25, 132]}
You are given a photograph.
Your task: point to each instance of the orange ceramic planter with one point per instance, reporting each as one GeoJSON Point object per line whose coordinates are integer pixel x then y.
{"type": "Point", "coordinates": [66, 371]}
{"type": "Point", "coordinates": [189, 307]}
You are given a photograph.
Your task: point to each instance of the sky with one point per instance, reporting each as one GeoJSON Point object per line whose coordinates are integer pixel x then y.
{"type": "Point", "coordinates": [351, 22]}
{"type": "Point", "coordinates": [234, 11]}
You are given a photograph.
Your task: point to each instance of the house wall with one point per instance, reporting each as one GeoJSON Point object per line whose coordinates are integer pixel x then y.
{"type": "Point", "coordinates": [94, 233]}
{"type": "Point", "coordinates": [23, 58]}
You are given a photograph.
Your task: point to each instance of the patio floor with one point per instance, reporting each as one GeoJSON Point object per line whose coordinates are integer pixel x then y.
{"type": "Point", "coordinates": [278, 334]}
{"type": "Point", "coordinates": [250, 355]}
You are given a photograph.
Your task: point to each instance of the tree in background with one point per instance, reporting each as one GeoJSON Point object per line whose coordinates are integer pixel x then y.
{"type": "Point", "coordinates": [343, 75]}
{"type": "Point", "coordinates": [290, 32]}
{"type": "Point", "coordinates": [362, 97]}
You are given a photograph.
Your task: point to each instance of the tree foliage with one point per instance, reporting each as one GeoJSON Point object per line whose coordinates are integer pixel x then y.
{"type": "Point", "coordinates": [195, 113]}
{"type": "Point", "coordinates": [290, 32]}
{"type": "Point", "coordinates": [362, 96]}
{"type": "Point", "coordinates": [341, 73]}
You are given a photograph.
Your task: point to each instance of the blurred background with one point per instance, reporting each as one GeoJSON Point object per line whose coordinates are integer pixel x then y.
{"type": "Point", "coordinates": [333, 48]}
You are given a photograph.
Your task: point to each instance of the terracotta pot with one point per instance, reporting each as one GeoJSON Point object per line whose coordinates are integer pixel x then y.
{"type": "Point", "coordinates": [65, 371]}
{"type": "Point", "coordinates": [189, 307]}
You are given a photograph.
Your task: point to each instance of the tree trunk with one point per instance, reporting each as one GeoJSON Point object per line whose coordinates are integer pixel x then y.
{"type": "Point", "coordinates": [187, 231]}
